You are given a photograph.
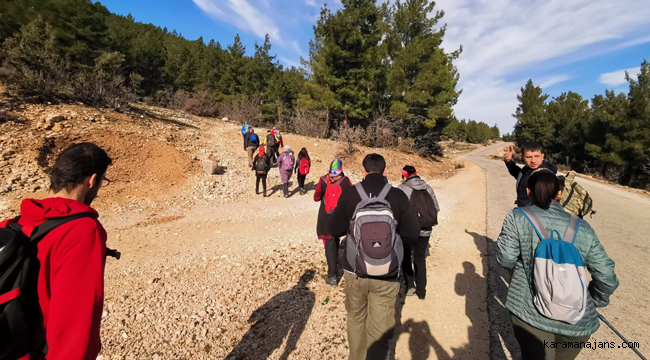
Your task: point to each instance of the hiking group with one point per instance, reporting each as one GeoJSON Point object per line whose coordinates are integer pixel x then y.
{"type": "Point", "coordinates": [268, 155]}
{"type": "Point", "coordinates": [52, 256]}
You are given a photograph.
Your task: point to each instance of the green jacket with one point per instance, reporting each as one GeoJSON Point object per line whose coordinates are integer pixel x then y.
{"type": "Point", "coordinates": [517, 243]}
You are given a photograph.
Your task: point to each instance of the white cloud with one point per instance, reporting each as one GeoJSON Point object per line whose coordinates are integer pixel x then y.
{"type": "Point", "coordinates": [297, 49]}
{"type": "Point", "coordinates": [289, 62]}
{"type": "Point", "coordinates": [505, 37]}
{"type": "Point", "coordinates": [243, 15]}
{"type": "Point", "coordinates": [552, 80]}
{"type": "Point", "coordinates": [311, 3]}
{"type": "Point", "coordinates": [617, 77]}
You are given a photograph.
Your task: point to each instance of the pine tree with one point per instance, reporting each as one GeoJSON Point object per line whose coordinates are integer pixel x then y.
{"type": "Point", "coordinates": [422, 81]}
{"type": "Point", "coordinates": [347, 57]}
{"type": "Point", "coordinates": [569, 116]}
{"type": "Point", "coordinates": [495, 134]}
{"type": "Point", "coordinates": [532, 121]}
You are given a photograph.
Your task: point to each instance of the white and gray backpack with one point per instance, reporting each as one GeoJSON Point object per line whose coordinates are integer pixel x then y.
{"type": "Point", "coordinates": [373, 247]}
{"type": "Point", "coordinates": [558, 272]}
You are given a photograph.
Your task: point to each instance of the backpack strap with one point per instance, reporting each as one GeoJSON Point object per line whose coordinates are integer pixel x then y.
{"type": "Point", "coordinates": [568, 199]}
{"type": "Point", "coordinates": [384, 192]}
{"type": "Point", "coordinates": [49, 225]}
{"type": "Point", "coordinates": [519, 176]}
{"type": "Point", "coordinates": [535, 222]}
{"type": "Point", "coordinates": [571, 232]}
{"type": "Point", "coordinates": [361, 191]}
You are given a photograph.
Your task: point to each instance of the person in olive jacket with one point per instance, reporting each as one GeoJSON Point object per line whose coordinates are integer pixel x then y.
{"type": "Point", "coordinates": [516, 248]}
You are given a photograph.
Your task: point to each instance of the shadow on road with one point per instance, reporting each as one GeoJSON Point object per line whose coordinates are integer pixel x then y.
{"type": "Point", "coordinates": [501, 334]}
{"type": "Point", "coordinates": [285, 315]}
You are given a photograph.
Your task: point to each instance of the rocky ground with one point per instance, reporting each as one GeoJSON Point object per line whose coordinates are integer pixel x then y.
{"type": "Point", "coordinates": [209, 270]}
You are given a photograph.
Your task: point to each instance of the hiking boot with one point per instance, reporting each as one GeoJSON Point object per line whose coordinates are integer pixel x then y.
{"type": "Point", "coordinates": [410, 292]}
{"type": "Point", "coordinates": [331, 281]}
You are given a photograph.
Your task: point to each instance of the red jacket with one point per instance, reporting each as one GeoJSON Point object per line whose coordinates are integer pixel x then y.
{"type": "Point", "coordinates": [71, 277]}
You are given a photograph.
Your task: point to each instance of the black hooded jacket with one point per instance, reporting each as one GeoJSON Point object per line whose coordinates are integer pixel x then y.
{"type": "Point", "coordinates": [522, 175]}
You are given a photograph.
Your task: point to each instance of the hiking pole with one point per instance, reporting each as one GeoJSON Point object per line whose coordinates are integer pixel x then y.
{"type": "Point", "coordinates": [602, 318]}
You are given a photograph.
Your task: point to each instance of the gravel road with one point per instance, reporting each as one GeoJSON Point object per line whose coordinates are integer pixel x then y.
{"type": "Point", "coordinates": [622, 224]}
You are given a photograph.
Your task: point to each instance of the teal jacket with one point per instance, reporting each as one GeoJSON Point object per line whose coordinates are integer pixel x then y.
{"type": "Point", "coordinates": [517, 243]}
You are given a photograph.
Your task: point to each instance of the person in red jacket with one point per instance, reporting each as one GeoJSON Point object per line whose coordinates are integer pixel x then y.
{"type": "Point", "coordinates": [72, 256]}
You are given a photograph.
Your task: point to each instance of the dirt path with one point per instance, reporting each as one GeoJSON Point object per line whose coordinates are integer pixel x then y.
{"type": "Point", "coordinates": [245, 279]}
{"type": "Point", "coordinates": [622, 222]}
{"type": "Point", "coordinates": [452, 321]}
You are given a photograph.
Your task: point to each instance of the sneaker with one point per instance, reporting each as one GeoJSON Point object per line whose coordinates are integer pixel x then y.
{"type": "Point", "coordinates": [410, 292]}
{"type": "Point", "coordinates": [331, 281]}
{"type": "Point", "coordinates": [421, 296]}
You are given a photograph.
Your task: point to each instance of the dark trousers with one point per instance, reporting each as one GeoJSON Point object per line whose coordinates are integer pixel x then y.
{"type": "Point", "coordinates": [257, 183]}
{"type": "Point", "coordinates": [416, 279]}
{"type": "Point", "coordinates": [285, 189]}
{"type": "Point", "coordinates": [271, 152]}
{"type": "Point", "coordinates": [301, 180]}
{"type": "Point", "coordinates": [332, 255]}
{"type": "Point", "coordinates": [531, 340]}
{"type": "Point", "coordinates": [276, 149]}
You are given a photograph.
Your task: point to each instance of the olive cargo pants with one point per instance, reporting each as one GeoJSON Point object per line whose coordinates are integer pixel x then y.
{"type": "Point", "coordinates": [370, 306]}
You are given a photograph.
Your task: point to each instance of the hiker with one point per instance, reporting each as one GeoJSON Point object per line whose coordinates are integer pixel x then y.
{"type": "Point", "coordinates": [520, 250]}
{"type": "Point", "coordinates": [245, 129]}
{"type": "Point", "coordinates": [383, 220]}
{"type": "Point", "coordinates": [424, 202]}
{"type": "Point", "coordinates": [64, 300]}
{"type": "Point", "coordinates": [270, 141]}
{"type": "Point", "coordinates": [261, 166]}
{"type": "Point", "coordinates": [279, 142]}
{"type": "Point", "coordinates": [328, 191]}
{"type": "Point", "coordinates": [533, 157]}
{"type": "Point", "coordinates": [286, 161]}
{"type": "Point", "coordinates": [251, 143]}
{"type": "Point", "coordinates": [302, 167]}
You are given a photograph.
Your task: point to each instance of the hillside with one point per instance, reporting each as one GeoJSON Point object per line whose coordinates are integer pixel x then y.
{"type": "Point", "coordinates": [193, 265]}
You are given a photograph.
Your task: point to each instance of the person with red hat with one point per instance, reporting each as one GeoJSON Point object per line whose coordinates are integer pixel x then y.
{"type": "Point", "coordinates": [261, 166]}
{"type": "Point", "coordinates": [425, 204]}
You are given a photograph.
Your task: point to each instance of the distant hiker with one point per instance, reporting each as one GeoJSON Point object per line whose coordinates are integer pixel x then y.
{"type": "Point", "coordinates": [270, 141]}
{"type": "Point", "coordinates": [56, 309]}
{"type": "Point", "coordinates": [279, 141]}
{"type": "Point", "coordinates": [553, 270]}
{"type": "Point", "coordinates": [328, 191]}
{"type": "Point", "coordinates": [286, 162]}
{"type": "Point", "coordinates": [533, 157]}
{"type": "Point", "coordinates": [251, 143]}
{"type": "Point", "coordinates": [424, 202]}
{"type": "Point", "coordinates": [380, 219]}
{"type": "Point", "coordinates": [245, 129]}
{"type": "Point", "coordinates": [261, 166]}
{"type": "Point", "coordinates": [302, 168]}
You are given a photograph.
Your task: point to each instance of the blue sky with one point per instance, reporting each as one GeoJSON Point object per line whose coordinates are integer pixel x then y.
{"type": "Point", "coordinates": [564, 45]}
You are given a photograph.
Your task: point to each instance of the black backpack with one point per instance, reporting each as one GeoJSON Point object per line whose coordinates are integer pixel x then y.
{"type": "Point", "coordinates": [21, 320]}
{"type": "Point", "coordinates": [423, 205]}
{"type": "Point", "coordinates": [261, 165]}
{"type": "Point", "coordinates": [270, 140]}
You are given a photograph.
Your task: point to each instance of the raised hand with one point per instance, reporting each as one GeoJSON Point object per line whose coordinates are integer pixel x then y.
{"type": "Point", "coordinates": [510, 152]}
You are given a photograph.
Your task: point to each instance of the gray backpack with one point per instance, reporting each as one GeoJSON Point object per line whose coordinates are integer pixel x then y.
{"type": "Point", "coordinates": [374, 248]}
{"type": "Point", "coordinates": [559, 274]}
